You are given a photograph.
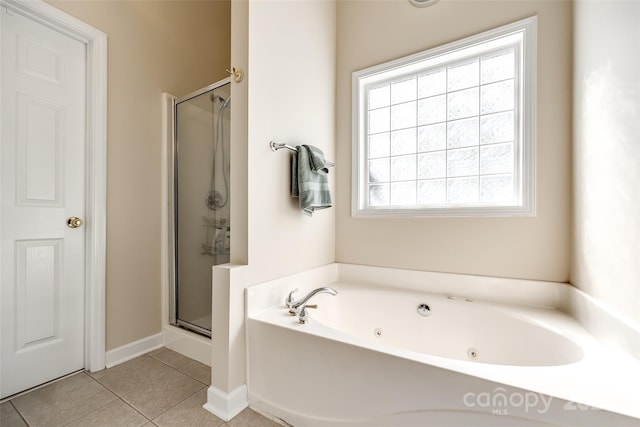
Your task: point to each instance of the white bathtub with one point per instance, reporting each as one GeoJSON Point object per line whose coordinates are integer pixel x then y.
{"type": "Point", "coordinates": [456, 328]}
{"type": "Point", "coordinates": [368, 358]}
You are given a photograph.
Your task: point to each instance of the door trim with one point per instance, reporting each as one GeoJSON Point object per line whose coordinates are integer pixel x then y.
{"type": "Point", "coordinates": [96, 165]}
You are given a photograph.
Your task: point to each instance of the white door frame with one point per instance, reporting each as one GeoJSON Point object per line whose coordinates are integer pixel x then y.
{"type": "Point", "coordinates": [96, 165]}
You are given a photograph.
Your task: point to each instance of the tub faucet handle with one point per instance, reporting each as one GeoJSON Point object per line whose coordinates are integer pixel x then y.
{"type": "Point", "coordinates": [303, 317]}
{"type": "Point", "coordinates": [289, 301]}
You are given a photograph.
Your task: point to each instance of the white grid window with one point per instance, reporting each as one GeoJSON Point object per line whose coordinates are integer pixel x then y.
{"type": "Point", "coordinates": [449, 131]}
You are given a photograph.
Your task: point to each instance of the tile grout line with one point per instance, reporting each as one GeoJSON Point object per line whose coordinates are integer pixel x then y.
{"type": "Point", "coordinates": [83, 372]}
{"type": "Point", "coordinates": [118, 397]}
{"type": "Point", "coordinates": [162, 361]}
{"type": "Point", "coordinates": [159, 415]}
{"type": "Point", "coordinates": [205, 386]}
{"type": "Point", "coordinates": [173, 370]}
{"type": "Point", "coordinates": [121, 397]}
{"type": "Point", "coordinates": [152, 379]}
{"type": "Point", "coordinates": [18, 412]}
{"type": "Point", "coordinates": [159, 351]}
{"type": "Point", "coordinates": [138, 412]}
{"type": "Point", "coordinates": [196, 372]}
{"type": "Point", "coordinates": [192, 377]}
{"type": "Point", "coordinates": [183, 400]}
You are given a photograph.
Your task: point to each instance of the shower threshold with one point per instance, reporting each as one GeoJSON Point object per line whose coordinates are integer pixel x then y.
{"type": "Point", "coordinates": [196, 325]}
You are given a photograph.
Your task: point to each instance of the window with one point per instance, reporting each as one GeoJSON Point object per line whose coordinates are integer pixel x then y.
{"type": "Point", "coordinates": [449, 131]}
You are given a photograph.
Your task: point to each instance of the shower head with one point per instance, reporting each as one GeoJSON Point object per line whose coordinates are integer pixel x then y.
{"type": "Point", "coordinates": [223, 102]}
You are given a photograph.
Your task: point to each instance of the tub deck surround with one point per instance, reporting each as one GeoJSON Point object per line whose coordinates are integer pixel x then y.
{"type": "Point", "coordinates": [570, 365]}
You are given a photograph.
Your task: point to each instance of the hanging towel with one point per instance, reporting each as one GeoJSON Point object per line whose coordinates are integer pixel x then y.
{"type": "Point", "coordinates": [309, 172]}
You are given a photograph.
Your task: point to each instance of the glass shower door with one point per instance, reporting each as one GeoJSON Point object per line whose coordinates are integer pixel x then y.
{"type": "Point", "coordinates": [201, 197]}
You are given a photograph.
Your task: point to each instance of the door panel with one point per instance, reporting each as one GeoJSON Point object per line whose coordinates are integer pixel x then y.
{"type": "Point", "coordinates": [37, 298]}
{"type": "Point", "coordinates": [39, 152]}
{"type": "Point", "coordinates": [43, 184]}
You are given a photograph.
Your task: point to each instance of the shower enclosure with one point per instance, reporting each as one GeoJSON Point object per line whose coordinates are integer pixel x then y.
{"type": "Point", "coordinates": [200, 206]}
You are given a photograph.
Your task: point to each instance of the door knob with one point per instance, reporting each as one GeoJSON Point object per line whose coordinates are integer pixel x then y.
{"type": "Point", "coordinates": [74, 222]}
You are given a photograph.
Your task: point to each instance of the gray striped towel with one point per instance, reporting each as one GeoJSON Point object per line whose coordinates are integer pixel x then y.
{"type": "Point", "coordinates": [309, 179]}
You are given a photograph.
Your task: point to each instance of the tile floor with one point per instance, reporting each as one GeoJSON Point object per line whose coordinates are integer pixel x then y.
{"type": "Point", "coordinates": [162, 388]}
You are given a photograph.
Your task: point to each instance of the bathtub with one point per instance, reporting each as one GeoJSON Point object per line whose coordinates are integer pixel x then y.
{"type": "Point", "coordinates": [369, 357]}
{"type": "Point", "coordinates": [456, 327]}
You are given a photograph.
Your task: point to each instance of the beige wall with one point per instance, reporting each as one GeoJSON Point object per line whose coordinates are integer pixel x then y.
{"type": "Point", "coordinates": [372, 32]}
{"type": "Point", "coordinates": [606, 258]}
{"type": "Point", "coordinates": [154, 47]}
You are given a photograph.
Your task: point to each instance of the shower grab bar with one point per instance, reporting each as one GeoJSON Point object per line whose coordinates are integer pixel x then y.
{"type": "Point", "coordinates": [275, 146]}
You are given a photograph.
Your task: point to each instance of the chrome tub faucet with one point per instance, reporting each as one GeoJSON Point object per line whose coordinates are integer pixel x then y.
{"type": "Point", "coordinates": [299, 307]}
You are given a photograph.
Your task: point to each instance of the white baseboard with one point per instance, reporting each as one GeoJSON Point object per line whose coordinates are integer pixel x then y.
{"type": "Point", "coordinates": [226, 405]}
{"type": "Point", "coordinates": [132, 350]}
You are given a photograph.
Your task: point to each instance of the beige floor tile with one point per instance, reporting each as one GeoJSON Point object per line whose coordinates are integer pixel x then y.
{"type": "Point", "coordinates": [158, 396]}
{"type": "Point", "coordinates": [123, 378]}
{"type": "Point", "coordinates": [198, 371]}
{"type": "Point", "coordinates": [189, 413]}
{"type": "Point", "coordinates": [250, 418]}
{"type": "Point", "coordinates": [9, 417]}
{"type": "Point", "coordinates": [50, 392]}
{"type": "Point", "coordinates": [63, 401]}
{"type": "Point", "coordinates": [6, 410]}
{"type": "Point", "coordinates": [172, 358]}
{"type": "Point", "coordinates": [156, 351]}
{"type": "Point", "coordinates": [122, 366]}
{"type": "Point", "coordinates": [14, 420]}
{"type": "Point", "coordinates": [75, 385]}
{"type": "Point", "coordinates": [116, 413]}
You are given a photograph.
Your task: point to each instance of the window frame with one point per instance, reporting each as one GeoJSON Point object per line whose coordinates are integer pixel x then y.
{"type": "Point", "coordinates": [523, 35]}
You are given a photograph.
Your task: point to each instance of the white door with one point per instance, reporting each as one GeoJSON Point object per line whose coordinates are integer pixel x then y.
{"type": "Point", "coordinates": [42, 185]}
